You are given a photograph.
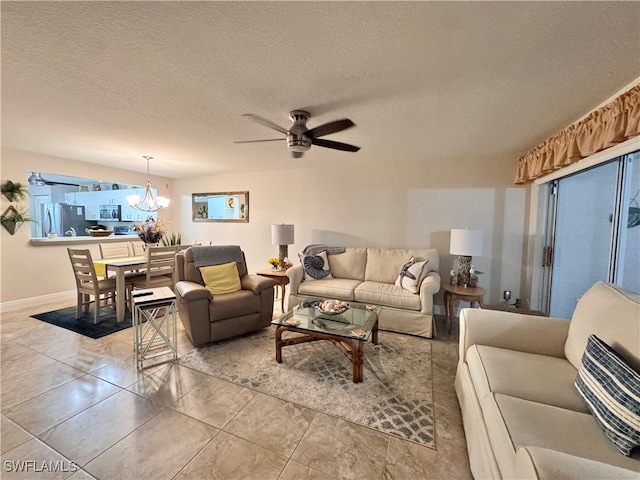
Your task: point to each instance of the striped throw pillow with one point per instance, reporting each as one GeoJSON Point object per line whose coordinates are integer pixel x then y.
{"type": "Point", "coordinates": [611, 389]}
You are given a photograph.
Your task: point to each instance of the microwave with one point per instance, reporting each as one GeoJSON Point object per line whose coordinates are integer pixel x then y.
{"type": "Point", "coordinates": [110, 212]}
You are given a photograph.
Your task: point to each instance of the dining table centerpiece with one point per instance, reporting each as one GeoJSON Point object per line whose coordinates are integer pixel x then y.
{"type": "Point", "coordinates": [151, 231]}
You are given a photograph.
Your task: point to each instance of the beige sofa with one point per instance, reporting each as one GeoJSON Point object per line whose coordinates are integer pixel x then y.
{"type": "Point", "coordinates": [523, 416]}
{"type": "Point", "coordinates": [368, 275]}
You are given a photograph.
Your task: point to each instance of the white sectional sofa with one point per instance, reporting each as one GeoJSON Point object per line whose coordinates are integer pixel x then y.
{"type": "Point", "coordinates": [523, 416]}
{"type": "Point", "coordinates": [368, 275]}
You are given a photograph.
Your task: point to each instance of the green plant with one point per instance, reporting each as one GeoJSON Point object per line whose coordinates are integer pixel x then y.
{"type": "Point", "coordinates": [14, 190]}
{"type": "Point", "coordinates": [173, 239]}
{"type": "Point", "coordinates": [12, 219]}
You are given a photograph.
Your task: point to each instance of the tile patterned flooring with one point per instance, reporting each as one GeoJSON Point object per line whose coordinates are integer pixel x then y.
{"type": "Point", "coordinates": [77, 408]}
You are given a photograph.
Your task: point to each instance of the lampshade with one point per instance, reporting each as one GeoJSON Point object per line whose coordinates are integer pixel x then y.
{"type": "Point", "coordinates": [466, 242]}
{"type": "Point", "coordinates": [282, 234]}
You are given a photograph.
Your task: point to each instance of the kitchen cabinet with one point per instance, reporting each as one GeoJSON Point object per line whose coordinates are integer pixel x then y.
{"type": "Point", "coordinates": [93, 200]}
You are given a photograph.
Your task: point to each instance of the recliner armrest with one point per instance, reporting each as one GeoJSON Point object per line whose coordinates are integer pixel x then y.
{"type": "Point", "coordinates": [256, 283]}
{"type": "Point", "coordinates": [192, 291]}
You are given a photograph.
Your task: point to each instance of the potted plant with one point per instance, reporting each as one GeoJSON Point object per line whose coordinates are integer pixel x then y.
{"type": "Point", "coordinates": [14, 190]}
{"type": "Point", "coordinates": [12, 219]}
{"type": "Point", "coordinates": [151, 231]}
{"type": "Point", "coordinates": [173, 239]}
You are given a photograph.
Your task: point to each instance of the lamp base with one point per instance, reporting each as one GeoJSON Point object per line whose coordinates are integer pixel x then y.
{"type": "Point", "coordinates": [283, 252]}
{"type": "Point", "coordinates": [464, 265]}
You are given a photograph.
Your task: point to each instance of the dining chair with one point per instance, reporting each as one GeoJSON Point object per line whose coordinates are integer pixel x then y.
{"type": "Point", "coordinates": [115, 250]}
{"type": "Point", "coordinates": [87, 283]}
{"type": "Point", "coordinates": [138, 248]}
{"type": "Point", "coordinates": [159, 270]}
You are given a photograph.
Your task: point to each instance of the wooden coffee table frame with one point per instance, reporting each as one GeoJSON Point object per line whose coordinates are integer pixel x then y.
{"type": "Point", "coordinates": [353, 348]}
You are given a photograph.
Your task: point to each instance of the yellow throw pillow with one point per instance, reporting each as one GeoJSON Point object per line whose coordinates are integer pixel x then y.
{"type": "Point", "coordinates": [221, 278]}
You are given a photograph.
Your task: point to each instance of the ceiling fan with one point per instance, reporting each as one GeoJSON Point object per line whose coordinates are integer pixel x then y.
{"type": "Point", "coordinates": [300, 138]}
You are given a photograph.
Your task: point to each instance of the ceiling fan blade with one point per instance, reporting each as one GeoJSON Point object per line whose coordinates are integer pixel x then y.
{"type": "Point", "coordinates": [331, 127]}
{"type": "Point", "coordinates": [265, 122]}
{"type": "Point", "coordinates": [335, 145]}
{"type": "Point", "coordinates": [296, 154]}
{"type": "Point", "coordinates": [255, 141]}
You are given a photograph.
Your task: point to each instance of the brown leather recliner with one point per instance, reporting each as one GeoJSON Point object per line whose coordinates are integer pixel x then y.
{"type": "Point", "coordinates": [207, 317]}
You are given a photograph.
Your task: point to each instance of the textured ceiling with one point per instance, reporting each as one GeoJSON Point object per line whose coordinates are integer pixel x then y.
{"type": "Point", "coordinates": [108, 82]}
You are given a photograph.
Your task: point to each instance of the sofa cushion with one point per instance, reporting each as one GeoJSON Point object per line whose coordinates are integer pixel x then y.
{"type": "Point", "coordinates": [221, 278]}
{"type": "Point", "coordinates": [612, 391]}
{"type": "Point", "coordinates": [529, 376]}
{"type": "Point", "coordinates": [383, 264]}
{"type": "Point", "coordinates": [316, 267]}
{"type": "Point", "coordinates": [513, 422]}
{"type": "Point", "coordinates": [349, 264]}
{"type": "Point", "coordinates": [612, 314]}
{"type": "Point", "coordinates": [385, 294]}
{"type": "Point", "coordinates": [338, 288]}
{"type": "Point", "coordinates": [411, 275]}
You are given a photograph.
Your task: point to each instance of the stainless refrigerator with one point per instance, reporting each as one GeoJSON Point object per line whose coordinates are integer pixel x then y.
{"type": "Point", "coordinates": [64, 220]}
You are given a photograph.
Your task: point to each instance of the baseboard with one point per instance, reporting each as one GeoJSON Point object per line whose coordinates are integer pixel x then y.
{"type": "Point", "coordinates": [35, 301]}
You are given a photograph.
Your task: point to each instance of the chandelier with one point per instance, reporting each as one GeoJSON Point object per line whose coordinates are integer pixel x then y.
{"type": "Point", "coordinates": [148, 203]}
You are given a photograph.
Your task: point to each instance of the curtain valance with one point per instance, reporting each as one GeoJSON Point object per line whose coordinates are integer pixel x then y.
{"type": "Point", "coordinates": [614, 123]}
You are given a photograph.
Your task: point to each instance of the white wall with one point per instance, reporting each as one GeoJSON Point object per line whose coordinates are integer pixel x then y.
{"type": "Point", "coordinates": [393, 206]}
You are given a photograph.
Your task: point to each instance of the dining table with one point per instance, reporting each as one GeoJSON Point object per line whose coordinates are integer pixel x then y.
{"type": "Point", "coordinates": [120, 266]}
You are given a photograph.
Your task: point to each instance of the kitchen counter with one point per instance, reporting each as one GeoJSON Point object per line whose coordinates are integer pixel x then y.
{"type": "Point", "coordinates": [43, 242]}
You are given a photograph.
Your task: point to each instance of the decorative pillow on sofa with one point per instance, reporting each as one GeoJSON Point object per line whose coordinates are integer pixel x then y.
{"type": "Point", "coordinates": [411, 275]}
{"type": "Point", "coordinates": [316, 267]}
{"type": "Point", "coordinates": [611, 389]}
{"type": "Point", "coordinates": [222, 278]}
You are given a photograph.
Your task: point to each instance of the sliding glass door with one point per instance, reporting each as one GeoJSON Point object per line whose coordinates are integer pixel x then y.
{"type": "Point", "coordinates": [592, 235]}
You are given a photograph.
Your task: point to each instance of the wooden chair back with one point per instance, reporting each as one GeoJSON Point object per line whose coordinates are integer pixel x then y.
{"type": "Point", "coordinates": [115, 250]}
{"type": "Point", "coordinates": [87, 283]}
{"type": "Point", "coordinates": [161, 262]}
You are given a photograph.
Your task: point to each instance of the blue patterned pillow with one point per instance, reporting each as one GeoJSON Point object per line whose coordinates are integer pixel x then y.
{"type": "Point", "coordinates": [316, 267]}
{"type": "Point", "coordinates": [611, 389]}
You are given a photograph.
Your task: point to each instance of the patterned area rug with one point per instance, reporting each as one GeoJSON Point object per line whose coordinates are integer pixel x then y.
{"type": "Point", "coordinates": [395, 397]}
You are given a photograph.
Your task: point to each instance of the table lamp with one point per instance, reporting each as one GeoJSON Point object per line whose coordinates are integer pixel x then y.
{"type": "Point", "coordinates": [283, 236]}
{"type": "Point", "coordinates": [465, 243]}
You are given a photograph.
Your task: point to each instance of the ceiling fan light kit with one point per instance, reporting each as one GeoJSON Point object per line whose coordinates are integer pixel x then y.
{"type": "Point", "coordinates": [300, 138]}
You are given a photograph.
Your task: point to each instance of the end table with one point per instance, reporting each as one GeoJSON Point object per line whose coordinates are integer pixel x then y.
{"type": "Point", "coordinates": [453, 293]}
{"type": "Point", "coordinates": [278, 276]}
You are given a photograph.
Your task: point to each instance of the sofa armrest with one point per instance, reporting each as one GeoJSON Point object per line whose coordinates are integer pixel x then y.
{"type": "Point", "coordinates": [256, 283]}
{"type": "Point", "coordinates": [295, 275]}
{"type": "Point", "coordinates": [428, 288]}
{"type": "Point", "coordinates": [539, 463]}
{"type": "Point", "coordinates": [513, 331]}
{"type": "Point", "coordinates": [192, 291]}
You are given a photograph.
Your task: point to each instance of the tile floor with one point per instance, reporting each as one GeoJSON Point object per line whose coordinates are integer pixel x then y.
{"type": "Point", "coordinates": [73, 407]}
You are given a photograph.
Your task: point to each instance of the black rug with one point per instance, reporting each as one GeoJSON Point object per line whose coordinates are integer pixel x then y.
{"type": "Point", "coordinates": [66, 318]}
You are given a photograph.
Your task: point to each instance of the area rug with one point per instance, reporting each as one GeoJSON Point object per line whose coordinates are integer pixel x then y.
{"type": "Point", "coordinates": [66, 318]}
{"type": "Point", "coordinates": [395, 397]}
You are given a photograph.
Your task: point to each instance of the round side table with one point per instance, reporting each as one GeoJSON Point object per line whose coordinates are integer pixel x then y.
{"type": "Point", "coordinates": [453, 293]}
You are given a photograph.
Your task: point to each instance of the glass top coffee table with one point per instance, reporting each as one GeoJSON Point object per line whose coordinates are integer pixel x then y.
{"type": "Point", "coordinates": [348, 329]}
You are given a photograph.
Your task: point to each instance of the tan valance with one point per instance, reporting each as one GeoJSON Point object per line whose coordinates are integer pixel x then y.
{"type": "Point", "coordinates": [614, 123]}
